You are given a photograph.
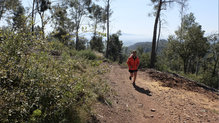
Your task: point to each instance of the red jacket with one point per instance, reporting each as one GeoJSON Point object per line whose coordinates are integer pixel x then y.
{"type": "Point", "coordinates": [133, 63]}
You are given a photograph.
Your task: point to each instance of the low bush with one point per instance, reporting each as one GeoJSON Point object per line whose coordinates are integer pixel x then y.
{"type": "Point", "coordinates": [144, 60]}
{"type": "Point", "coordinates": [38, 86]}
{"type": "Point", "coordinates": [212, 81]}
{"type": "Point", "coordinates": [87, 54]}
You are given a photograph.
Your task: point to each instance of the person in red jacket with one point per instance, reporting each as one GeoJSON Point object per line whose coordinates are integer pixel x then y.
{"type": "Point", "coordinates": [133, 63]}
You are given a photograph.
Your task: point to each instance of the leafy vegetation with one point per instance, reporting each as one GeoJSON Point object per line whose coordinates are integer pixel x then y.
{"type": "Point", "coordinates": [57, 77]}
{"type": "Point", "coordinates": [96, 44]}
{"type": "Point", "coordinates": [54, 77]}
{"type": "Point", "coordinates": [193, 53]}
{"type": "Point", "coordinates": [46, 81]}
{"type": "Point", "coordinates": [115, 47]}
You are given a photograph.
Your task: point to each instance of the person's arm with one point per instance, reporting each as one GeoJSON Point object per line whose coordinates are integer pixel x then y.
{"type": "Point", "coordinates": [128, 62]}
{"type": "Point", "coordinates": [138, 62]}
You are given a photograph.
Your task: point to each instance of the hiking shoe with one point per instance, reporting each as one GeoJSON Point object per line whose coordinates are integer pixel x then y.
{"type": "Point", "coordinates": [130, 77]}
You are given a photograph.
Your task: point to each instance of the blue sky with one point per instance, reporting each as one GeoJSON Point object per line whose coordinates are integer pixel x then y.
{"type": "Point", "coordinates": [131, 17]}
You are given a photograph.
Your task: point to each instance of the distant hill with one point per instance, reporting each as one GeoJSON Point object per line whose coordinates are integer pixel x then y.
{"type": "Point", "coordinates": [147, 46]}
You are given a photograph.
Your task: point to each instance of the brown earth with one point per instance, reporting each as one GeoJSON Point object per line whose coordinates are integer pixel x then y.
{"type": "Point", "coordinates": [156, 97]}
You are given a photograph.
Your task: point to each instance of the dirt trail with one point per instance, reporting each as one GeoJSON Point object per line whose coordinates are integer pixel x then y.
{"type": "Point", "coordinates": [148, 101]}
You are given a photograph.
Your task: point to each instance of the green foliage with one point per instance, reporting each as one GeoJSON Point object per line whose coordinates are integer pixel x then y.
{"type": "Point", "coordinates": [87, 54]}
{"type": "Point", "coordinates": [43, 5]}
{"type": "Point", "coordinates": [144, 60]}
{"type": "Point", "coordinates": [78, 9]}
{"type": "Point", "coordinates": [115, 47]}
{"type": "Point", "coordinates": [96, 14]}
{"type": "Point", "coordinates": [191, 52]}
{"type": "Point", "coordinates": [140, 50]}
{"type": "Point", "coordinates": [124, 56]}
{"type": "Point", "coordinates": [82, 43]}
{"type": "Point", "coordinates": [63, 36]}
{"type": "Point", "coordinates": [214, 53]}
{"type": "Point", "coordinates": [38, 86]}
{"type": "Point", "coordinates": [19, 19]}
{"type": "Point", "coordinates": [7, 5]}
{"type": "Point", "coordinates": [96, 43]}
{"type": "Point", "coordinates": [189, 44]}
{"type": "Point", "coordinates": [63, 24]}
{"type": "Point", "coordinates": [209, 80]}
{"type": "Point", "coordinates": [37, 113]}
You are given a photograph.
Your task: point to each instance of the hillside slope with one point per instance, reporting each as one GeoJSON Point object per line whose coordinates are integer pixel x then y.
{"type": "Point", "coordinates": [150, 100]}
{"type": "Point", "coordinates": [147, 46]}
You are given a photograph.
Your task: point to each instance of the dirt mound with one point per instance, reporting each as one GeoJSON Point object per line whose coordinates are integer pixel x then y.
{"type": "Point", "coordinates": [176, 81]}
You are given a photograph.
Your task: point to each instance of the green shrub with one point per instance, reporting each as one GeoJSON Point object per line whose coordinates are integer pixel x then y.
{"type": "Point", "coordinates": [144, 60]}
{"type": "Point", "coordinates": [87, 54]}
{"type": "Point", "coordinates": [35, 86]}
{"type": "Point", "coordinates": [210, 81]}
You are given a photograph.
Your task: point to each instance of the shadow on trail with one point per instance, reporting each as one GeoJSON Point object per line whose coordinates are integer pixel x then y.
{"type": "Point", "coordinates": [141, 90]}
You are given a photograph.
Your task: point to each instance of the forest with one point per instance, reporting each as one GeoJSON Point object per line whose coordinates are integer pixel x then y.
{"type": "Point", "coordinates": [188, 53]}
{"type": "Point", "coordinates": [56, 76]}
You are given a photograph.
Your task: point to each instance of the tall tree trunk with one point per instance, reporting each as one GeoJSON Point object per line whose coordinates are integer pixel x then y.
{"type": "Point", "coordinates": [197, 67]}
{"type": "Point", "coordinates": [153, 53]}
{"type": "Point", "coordinates": [185, 65]}
{"type": "Point", "coordinates": [189, 67]}
{"type": "Point", "coordinates": [107, 44]}
{"type": "Point", "coordinates": [77, 31]}
{"type": "Point", "coordinates": [182, 21]}
{"type": "Point", "coordinates": [77, 38]}
{"type": "Point", "coordinates": [215, 66]}
{"type": "Point", "coordinates": [204, 65]}
{"type": "Point", "coordinates": [42, 22]}
{"type": "Point", "coordinates": [33, 17]}
{"type": "Point", "coordinates": [158, 37]}
{"type": "Point", "coordinates": [95, 28]}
